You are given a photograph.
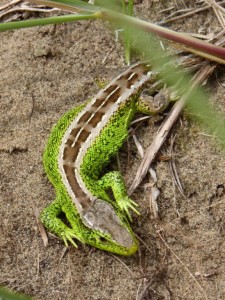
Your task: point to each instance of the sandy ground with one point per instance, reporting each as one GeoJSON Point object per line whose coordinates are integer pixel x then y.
{"type": "Point", "coordinates": [45, 72]}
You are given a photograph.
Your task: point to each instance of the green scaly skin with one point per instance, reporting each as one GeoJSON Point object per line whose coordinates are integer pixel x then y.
{"type": "Point", "coordinates": [97, 157]}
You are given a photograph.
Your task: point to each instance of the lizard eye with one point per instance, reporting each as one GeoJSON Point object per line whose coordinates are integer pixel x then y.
{"type": "Point", "coordinates": [89, 217]}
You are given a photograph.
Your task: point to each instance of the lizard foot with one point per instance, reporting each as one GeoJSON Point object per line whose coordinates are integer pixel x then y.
{"type": "Point", "coordinates": [125, 204]}
{"type": "Point", "coordinates": [68, 235]}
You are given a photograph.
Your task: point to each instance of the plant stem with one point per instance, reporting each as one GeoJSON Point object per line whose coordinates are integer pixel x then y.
{"type": "Point", "coordinates": [207, 50]}
{"type": "Point", "coordinates": [46, 21]}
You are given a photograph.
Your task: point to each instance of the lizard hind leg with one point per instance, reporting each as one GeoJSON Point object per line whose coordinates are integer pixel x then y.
{"type": "Point", "coordinates": [152, 105]}
{"type": "Point", "coordinates": [50, 219]}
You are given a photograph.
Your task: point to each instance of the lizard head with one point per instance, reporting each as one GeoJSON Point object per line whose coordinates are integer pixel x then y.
{"type": "Point", "coordinates": [112, 232]}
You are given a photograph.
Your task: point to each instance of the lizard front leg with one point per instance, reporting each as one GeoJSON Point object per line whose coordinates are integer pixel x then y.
{"type": "Point", "coordinates": [114, 180]}
{"type": "Point", "coordinates": [152, 105]}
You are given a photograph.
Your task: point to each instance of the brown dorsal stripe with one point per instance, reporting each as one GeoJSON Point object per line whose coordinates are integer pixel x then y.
{"type": "Point", "coordinates": [103, 101]}
{"type": "Point", "coordinates": [83, 135]}
{"type": "Point", "coordinates": [132, 80]}
{"type": "Point", "coordinates": [140, 69]}
{"type": "Point", "coordinates": [84, 200]}
{"type": "Point", "coordinates": [75, 131]}
{"type": "Point", "coordinates": [112, 98]}
{"type": "Point", "coordinates": [128, 74]}
{"type": "Point", "coordinates": [69, 142]}
{"type": "Point", "coordinates": [97, 117]}
{"type": "Point", "coordinates": [110, 89]}
{"type": "Point", "coordinates": [98, 103]}
{"type": "Point", "coordinates": [70, 153]}
{"type": "Point", "coordinates": [84, 118]}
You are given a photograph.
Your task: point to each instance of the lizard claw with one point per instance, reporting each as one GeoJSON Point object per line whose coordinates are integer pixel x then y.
{"type": "Point", "coordinates": [125, 204]}
{"type": "Point", "coordinates": [69, 235]}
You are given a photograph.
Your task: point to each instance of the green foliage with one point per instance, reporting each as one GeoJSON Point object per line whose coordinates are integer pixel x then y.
{"type": "Point", "coordinates": [9, 295]}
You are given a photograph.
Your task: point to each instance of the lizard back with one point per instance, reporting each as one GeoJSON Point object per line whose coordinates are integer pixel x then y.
{"type": "Point", "coordinates": [87, 126]}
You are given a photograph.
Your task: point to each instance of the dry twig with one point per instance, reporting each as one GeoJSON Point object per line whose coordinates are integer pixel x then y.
{"type": "Point", "coordinates": [152, 185]}
{"type": "Point", "coordinates": [218, 10]}
{"type": "Point", "coordinates": [193, 11]}
{"type": "Point", "coordinates": [19, 7]}
{"type": "Point", "coordinates": [173, 169]}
